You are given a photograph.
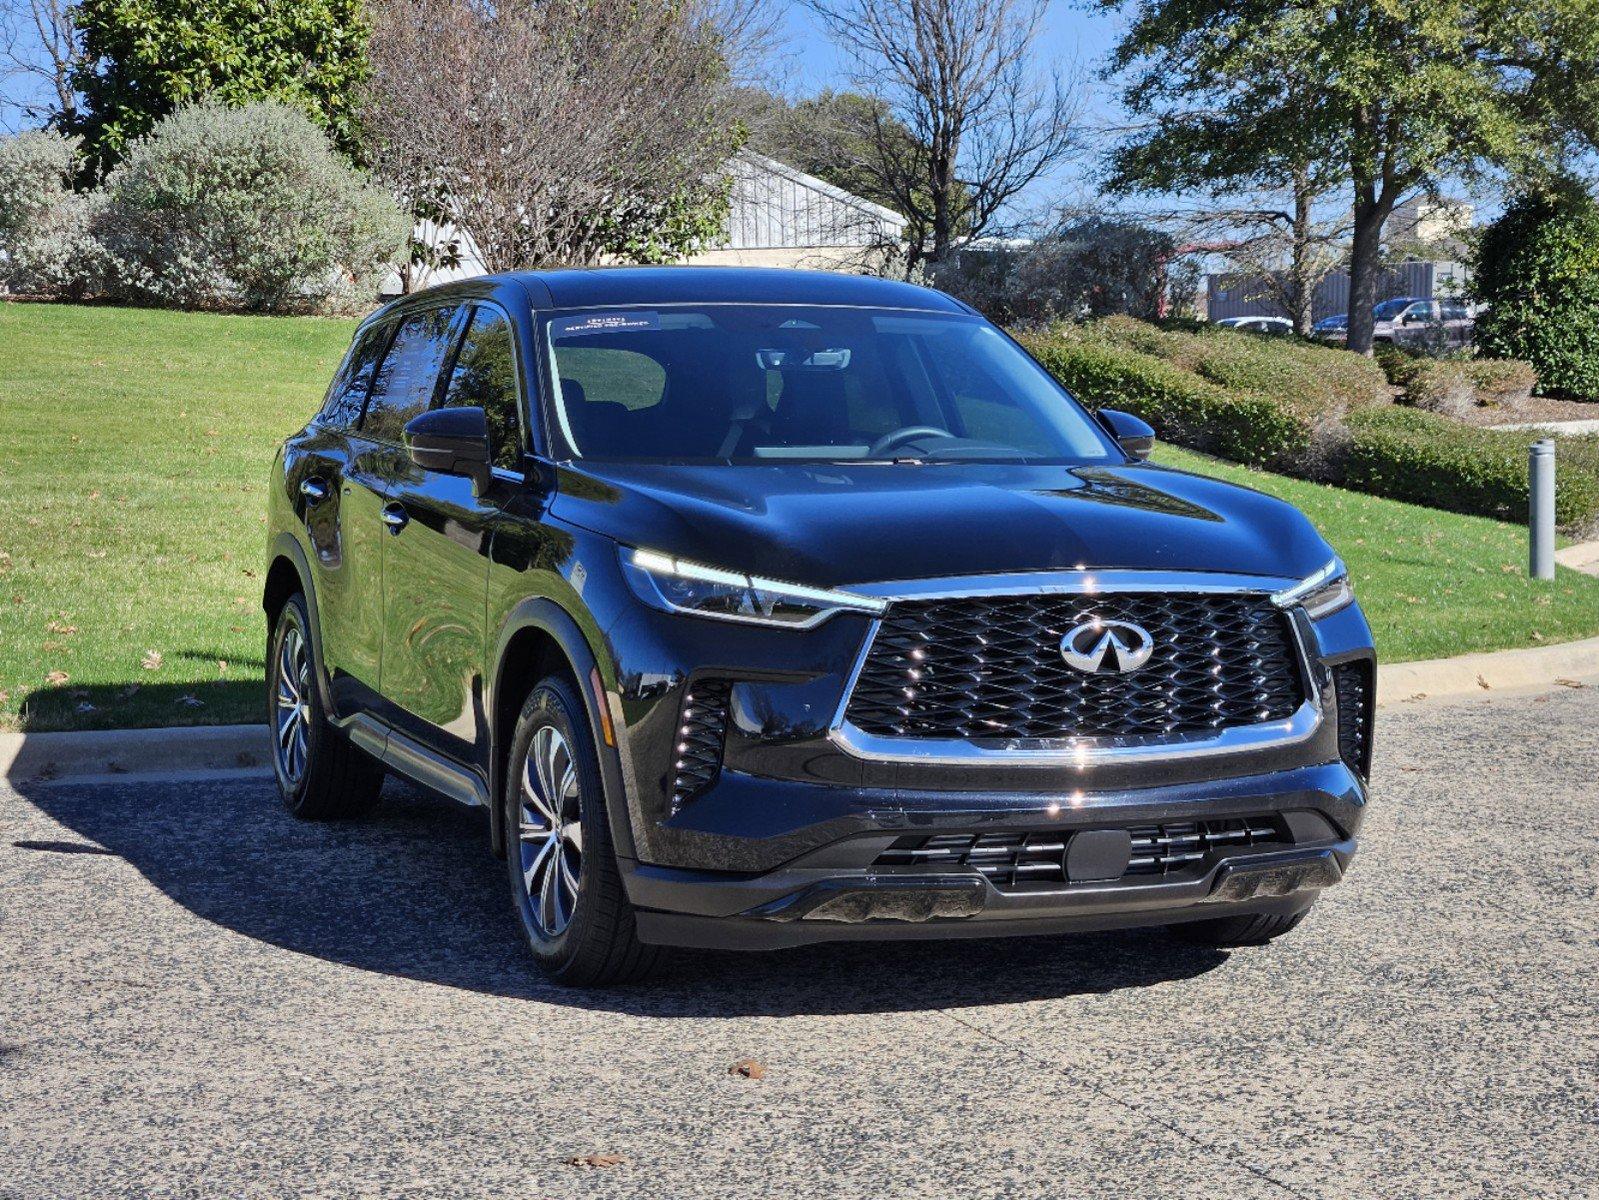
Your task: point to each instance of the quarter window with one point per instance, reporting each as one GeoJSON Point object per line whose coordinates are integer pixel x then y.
{"type": "Point", "coordinates": [405, 382]}
{"type": "Point", "coordinates": [484, 376]}
{"type": "Point", "coordinates": [346, 395]}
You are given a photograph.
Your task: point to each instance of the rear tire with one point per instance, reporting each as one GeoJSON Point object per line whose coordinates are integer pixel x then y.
{"type": "Point", "coordinates": [565, 885]}
{"type": "Point", "coordinates": [1255, 929]}
{"type": "Point", "coordinates": [321, 775]}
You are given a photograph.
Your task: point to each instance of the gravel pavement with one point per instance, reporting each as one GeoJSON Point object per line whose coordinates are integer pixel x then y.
{"type": "Point", "coordinates": [202, 997]}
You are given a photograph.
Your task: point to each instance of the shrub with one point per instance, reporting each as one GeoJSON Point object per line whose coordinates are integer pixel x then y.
{"type": "Point", "coordinates": [1537, 268]}
{"type": "Point", "coordinates": [46, 247]}
{"type": "Point", "coordinates": [1428, 459]}
{"type": "Point", "coordinates": [1455, 386]}
{"type": "Point", "coordinates": [1247, 428]}
{"type": "Point", "coordinates": [248, 208]}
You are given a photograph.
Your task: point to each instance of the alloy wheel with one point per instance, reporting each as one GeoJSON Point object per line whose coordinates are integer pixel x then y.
{"type": "Point", "coordinates": [550, 831]}
{"type": "Point", "coordinates": [293, 711]}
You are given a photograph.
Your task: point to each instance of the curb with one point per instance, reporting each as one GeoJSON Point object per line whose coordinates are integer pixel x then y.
{"type": "Point", "coordinates": [186, 752]}
{"type": "Point", "coordinates": [1472, 674]}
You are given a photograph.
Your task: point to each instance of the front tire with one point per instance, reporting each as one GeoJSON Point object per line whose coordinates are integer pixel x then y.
{"type": "Point", "coordinates": [565, 885]}
{"type": "Point", "coordinates": [321, 775]}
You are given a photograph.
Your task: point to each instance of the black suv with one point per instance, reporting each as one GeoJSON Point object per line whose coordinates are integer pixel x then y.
{"type": "Point", "coordinates": [768, 607]}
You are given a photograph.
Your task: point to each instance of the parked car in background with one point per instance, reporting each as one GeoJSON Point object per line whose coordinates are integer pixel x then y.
{"type": "Point", "coordinates": [1271, 325]}
{"type": "Point", "coordinates": [1414, 322]}
{"type": "Point", "coordinates": [770, 607]}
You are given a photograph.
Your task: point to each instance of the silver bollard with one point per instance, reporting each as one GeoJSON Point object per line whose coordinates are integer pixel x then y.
{"type": "Point", "coordinates": [1541, 518]}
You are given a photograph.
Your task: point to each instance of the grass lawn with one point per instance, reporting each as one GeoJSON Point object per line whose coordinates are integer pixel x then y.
{"type": "Point", "coordinates": [134, 452]}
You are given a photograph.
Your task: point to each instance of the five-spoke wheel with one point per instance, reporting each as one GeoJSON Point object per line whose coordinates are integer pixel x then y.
{"type": "Point", "coordinates": [550, 831]}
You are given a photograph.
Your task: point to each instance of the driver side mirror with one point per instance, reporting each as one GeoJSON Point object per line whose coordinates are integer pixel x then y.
{"type": "Point", "coordinates": [1132, 435]}
{"type": "Point", "coordinates": [454, 441]}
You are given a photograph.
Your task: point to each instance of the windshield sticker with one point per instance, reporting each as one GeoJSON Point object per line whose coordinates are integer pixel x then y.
{"type": "Point", "coordinates": [608, 322]}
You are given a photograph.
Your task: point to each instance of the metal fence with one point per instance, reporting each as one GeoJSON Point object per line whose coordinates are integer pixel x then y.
{"type": "Point", "coordinates": [1237, 295]}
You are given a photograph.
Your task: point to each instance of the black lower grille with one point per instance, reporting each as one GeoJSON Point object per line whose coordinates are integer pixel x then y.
{"type": "Point", "coordinates": [700, 735]}
{"type": "Point", "coordinates": [1018, 861]}
{"type": "Point", "coordinates": [1352, 685]}
{"type": "Point", "coordinates": [993, 667]}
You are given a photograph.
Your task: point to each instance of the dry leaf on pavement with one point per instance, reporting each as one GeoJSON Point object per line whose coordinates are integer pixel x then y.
{"type": "Point", "coordinates": [747, 1068]}
{"type": "Point", "coordinates": [595, 1160]}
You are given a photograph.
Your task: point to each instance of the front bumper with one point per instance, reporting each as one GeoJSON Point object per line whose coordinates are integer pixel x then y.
{"type": "Point", "coordinates": [843, 890]}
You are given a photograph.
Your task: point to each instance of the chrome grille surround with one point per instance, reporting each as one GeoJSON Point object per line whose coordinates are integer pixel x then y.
{"type": "Point", "coordinates": [1286, 723]}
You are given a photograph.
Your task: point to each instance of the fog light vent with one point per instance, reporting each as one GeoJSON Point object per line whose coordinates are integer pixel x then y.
{"type": "Point", "coordinates": [701, 730]}
{"type": "Point", "coordinates": [1352, 683]}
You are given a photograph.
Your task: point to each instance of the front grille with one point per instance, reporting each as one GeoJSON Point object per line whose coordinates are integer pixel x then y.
{"type": "Point", "coordinates": [1352, 685]}
{"type": "Point", "coordinates": [1020, 861]}
{"type": "Point", "coordinates": [991, 667]}
{"type": "Point", "coordinates": [700, 733]}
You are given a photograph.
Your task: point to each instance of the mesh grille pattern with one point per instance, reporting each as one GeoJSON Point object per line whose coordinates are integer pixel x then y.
{"type": "Point", "coordinates": [991, 667]}
{"type": "Point", "coordinates": [1351, 683]}
{"type": "Point", "coordinates": [1017, 861]}
{"type": "Point", "coordinates": [700, 735]}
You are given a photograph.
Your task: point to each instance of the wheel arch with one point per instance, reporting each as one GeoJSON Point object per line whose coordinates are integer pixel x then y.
{"type": "Point", "coordinates": [287, 574]}
{"type": "Point", "coordinates": [540, 638]}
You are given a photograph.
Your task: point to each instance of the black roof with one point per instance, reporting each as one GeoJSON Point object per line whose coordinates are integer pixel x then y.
{"type": "Point", "coordinates": [600, 286]}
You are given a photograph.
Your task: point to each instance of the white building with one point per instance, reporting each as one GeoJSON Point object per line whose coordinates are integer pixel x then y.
{"type": "Point", "coordinates": [777, 217]}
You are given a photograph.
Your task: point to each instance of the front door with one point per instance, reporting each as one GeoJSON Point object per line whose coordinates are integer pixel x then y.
{"type": "Point", "coordinates": [437, 566]}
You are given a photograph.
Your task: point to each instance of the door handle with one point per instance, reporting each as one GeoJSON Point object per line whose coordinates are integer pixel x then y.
{"type": "Point", "coordinates": [395, 517]}
{"type": "Point", "coordinates": [314, 488]}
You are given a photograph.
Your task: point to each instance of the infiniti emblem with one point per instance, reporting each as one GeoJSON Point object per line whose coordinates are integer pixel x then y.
{"type": "Point", "coordinates": [1106, 647]}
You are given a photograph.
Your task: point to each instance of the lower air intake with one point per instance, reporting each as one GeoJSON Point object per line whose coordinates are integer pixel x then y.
{"type": "Point", "coordinates": [702, 728]}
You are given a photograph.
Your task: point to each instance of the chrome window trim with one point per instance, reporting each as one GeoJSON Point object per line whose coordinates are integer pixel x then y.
{"type": "Point", "coordinates": [1088, 752]}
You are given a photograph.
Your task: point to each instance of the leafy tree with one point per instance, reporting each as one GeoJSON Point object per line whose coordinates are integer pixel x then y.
{"type": "Point", "coordinates": [143, 58]}
{"type": "Point", "coordinates": [1402, 97]}
{"type": "Point", "coordinates": [1537, 268]}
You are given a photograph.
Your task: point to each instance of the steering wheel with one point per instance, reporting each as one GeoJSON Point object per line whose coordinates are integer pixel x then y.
{"type": "Point", "coordinates": [905, 433]}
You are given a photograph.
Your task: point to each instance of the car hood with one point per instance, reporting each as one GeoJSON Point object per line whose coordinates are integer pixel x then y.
{"type": "Point", "coordinates": [836, 525]}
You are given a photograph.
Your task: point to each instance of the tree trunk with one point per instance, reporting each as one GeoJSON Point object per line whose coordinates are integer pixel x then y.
{"type": "Point", "coordinates": [1363, 268]}
{"type": "Point", "coordinates": [1301, 286]}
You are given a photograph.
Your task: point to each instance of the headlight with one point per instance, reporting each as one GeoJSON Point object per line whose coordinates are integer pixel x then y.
{"type": "Point", "coordinates": [1322, 594]}
{"type": "Point", "coordinates": [676, 585]}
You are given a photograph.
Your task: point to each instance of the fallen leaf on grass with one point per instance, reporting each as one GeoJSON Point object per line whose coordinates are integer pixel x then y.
{"type": "Point", "coordinates": [5, 697]}
{"type": "Point", "coordinates": [222, 666]}
{"type": "Point", "coordinates": [151, 660]}
{"type": "Point", "coordinates": [85, 707]}
{"type": "Point", "coordinates": [190, 701]}
{"type": "Point", "coordinates": [57, 677]}
{"type": "Point", "coordinates": [596, 1160]}
{"type": "Point", "coordinates": [747, 1068]}
{"type": "Point", "coordinates": [61, 628]}
{"type": "Point", "coordinates": [129, 691]}
{"type": "Point", "coordinates": [97, 554]}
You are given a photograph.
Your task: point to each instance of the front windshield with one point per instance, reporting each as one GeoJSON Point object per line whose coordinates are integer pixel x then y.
{"type": "Point", "coordinates": [763, 383]}
{"type": "Point", "coordinates": [1389, 309]}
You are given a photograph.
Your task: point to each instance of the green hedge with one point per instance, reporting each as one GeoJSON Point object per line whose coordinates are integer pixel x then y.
{"type": "Point", "coordinates": [1184, 408]}
{"type": "Point", "coordinates": [1455, 385]}
{"type": "Point", "coordinates": [1406, 454]}
{"type": "Point", "coordinates": [1342, 428]}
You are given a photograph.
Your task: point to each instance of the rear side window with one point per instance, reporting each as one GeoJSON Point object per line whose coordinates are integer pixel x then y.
{"type": "Point", "coordinates": [346, 395]}
{"type": "Point", "coordinates": [404, 384]}
{"type": "Point", "coordinates": [484, 377]}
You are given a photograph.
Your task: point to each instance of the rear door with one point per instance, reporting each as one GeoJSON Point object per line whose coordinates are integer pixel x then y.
{"type": "Point", "coordinates": [332, 474]}
{"type": "Point", "coordinates": [437, 567]}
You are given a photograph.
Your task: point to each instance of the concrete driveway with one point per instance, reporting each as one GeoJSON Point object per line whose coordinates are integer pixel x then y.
{"type": "Point", "coordinates": [201, 997]}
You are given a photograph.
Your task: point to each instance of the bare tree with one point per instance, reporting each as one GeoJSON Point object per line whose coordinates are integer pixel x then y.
{"type": "Point", "coordinates": [1282, 244]}
{"type": "Point", "coordinates": [558, 130]}
{"type": "Point", "coordinates": [39, 46]}
{"type": "Point", "coordinates": [962, 122]}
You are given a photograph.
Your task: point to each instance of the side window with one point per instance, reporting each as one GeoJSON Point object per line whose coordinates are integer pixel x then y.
{"type": "Point", "coordinates": [346, 395]}
{"type": "Point", "coordinates": [404, 383]}
{"type": "Point", "coordinates": [484, 377]}
{"type": "Point", "coordinates": [1455, 311]}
